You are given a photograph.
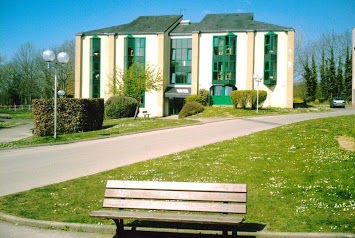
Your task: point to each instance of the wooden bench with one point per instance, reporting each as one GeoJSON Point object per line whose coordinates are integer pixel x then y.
{"type": "Point", "coordinates": [205, 203]}
{"type": "Point", "coordinates": [146, 114]}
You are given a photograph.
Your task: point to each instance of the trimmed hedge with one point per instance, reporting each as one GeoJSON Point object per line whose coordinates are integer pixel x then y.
{"type": "Point", "coordinates": [247, 98]}
{"type": "Point", "coordinates": [73, 115]}
{"type": "Point", "coordinates": [120, 107]}
{"type": "Point", "coordinates": [191, 108]}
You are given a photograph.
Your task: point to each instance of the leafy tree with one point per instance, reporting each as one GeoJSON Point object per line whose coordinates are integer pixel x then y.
{"type": "Point", "coordinates": [135, 81]}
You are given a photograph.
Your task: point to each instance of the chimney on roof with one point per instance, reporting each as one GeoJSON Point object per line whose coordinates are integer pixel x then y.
{"type": "Point", "coordinates": [185, 22]}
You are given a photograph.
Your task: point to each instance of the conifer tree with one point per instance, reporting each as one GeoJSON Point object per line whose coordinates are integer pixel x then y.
{"type": "Point", "coordinates": [307, 78]}
{"type": "Point", "coordinates": [339, 79]}
{"type": "Point", "coordinates": [313, 80]}
{"type": "Point", "coordinates": [324, 78]}
{"type": "Point", "coordinates": [331, 73]}
{"type": "Point", "coordinates": [347, 77]}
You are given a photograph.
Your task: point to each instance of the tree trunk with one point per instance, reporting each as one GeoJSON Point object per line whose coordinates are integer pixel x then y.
{"type": "Point", "coordinates": [136, 113]}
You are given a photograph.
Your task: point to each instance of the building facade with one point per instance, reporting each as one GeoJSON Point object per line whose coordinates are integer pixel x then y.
{"type": "Point", "coordinates": [219, 54]}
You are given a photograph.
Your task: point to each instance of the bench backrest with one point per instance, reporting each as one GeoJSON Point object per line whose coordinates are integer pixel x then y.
{"type": "Point", "coordinates": [176, 196]}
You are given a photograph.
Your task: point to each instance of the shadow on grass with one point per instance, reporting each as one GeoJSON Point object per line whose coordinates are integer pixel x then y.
{"type": "Point", "coordinates": [183, 230]}
{"type": "Point", "coordinates": [301, 105]}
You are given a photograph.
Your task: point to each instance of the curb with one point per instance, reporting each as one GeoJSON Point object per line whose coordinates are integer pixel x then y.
{"type": "Point", "coordinates": [111, 229]}
{"type": "Point", "coordinates": [77, 227]}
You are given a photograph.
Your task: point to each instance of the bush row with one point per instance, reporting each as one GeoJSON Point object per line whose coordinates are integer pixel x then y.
{"type": "Point", "coordinates": [247, 98]}
{"type": "Point", "coordinates": [73, 115]}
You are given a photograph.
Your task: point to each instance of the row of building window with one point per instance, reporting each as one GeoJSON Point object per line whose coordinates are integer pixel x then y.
{"type": "Point", "coordinates": [224, 59]}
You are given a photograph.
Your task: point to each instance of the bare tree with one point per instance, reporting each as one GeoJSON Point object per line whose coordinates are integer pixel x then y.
{"type": "Point", "coordinates": [66, 73]}
{"type": "Point", "coordinates": [26, 65]}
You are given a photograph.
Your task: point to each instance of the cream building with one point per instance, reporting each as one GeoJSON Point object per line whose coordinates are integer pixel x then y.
{"type": "Point", "coordinates": [219, 54]}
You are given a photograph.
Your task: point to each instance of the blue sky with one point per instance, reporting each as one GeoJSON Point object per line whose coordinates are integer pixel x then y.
{"type": "Point", "coordinates": [48, 23]}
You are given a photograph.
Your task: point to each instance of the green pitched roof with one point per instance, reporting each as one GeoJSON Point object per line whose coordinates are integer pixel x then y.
{"type": "Point", "coordinates": [141, 25]}
{"type": "Point", "coordinates": [227, 23]}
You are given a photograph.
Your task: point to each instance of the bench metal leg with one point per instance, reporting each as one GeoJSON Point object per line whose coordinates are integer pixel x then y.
{"type": "Point", "coordinates": [225, 233]}
{"type": "Point", "coordinates": [119, 228]}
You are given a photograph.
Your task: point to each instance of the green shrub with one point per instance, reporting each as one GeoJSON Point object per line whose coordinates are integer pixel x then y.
{"type": "Point", "coordinates": [247, 98]}
{"type": "Point", "coordinates": [240, 98]}
{"type": "Point", "coordinates": [73, 115]}
{"type": "Point", "coordinates": [262, 98]}
{"type": "Point", "coordinates": [191, 108]}
{"type": "Point", "coordinates": [202, 97]}
{"type": "Point", "coordinates": [120, 107]}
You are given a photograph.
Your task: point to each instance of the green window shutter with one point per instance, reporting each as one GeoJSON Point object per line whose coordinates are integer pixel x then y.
{"type": "Point", "coordinates": [224, 59]}
{"type": "Point", "coordinates": [95, 60]}
{"type": "Point", "coordinates": [270, 59]}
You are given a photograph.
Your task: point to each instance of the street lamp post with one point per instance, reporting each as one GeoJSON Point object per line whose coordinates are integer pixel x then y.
{"type": "Point", "coordinates": [62, 58]}
{"type": "Point", "coordinates": [257, 79]}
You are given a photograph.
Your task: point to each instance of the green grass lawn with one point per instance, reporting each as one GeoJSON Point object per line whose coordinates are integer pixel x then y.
{"type": "Point", "coordinates": [18, 114]}
{"type": "Point", "coordinates": [299, 179]}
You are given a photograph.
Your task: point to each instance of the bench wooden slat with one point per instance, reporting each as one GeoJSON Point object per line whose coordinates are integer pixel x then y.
{"type": "Point", "coordinates": [180, 186]}
{"type": "Point", "coordinates": [206, 203]}
{"type": "Point", "coordinates": [175, 217]}
{"type": "Point", "coordinates": [176, 195]}
{"type": "Point", "coordinates": [175, 206]}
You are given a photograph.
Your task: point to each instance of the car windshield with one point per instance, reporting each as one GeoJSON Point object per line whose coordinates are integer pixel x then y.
{"type": "Point", "coordinates": [338, 99]}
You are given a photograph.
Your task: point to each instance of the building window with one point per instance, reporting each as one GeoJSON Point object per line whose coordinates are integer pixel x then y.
{"type": "Point", "coordinates": [135, 53]}
{"type": "Point", "coordinates": [270, 59]}
{"type": "Point", "coordinates": [224, 59]}
{"type": "Point", "coordinates": [180, 62]}
{"type": "Point", "coordinates": [95, 66]}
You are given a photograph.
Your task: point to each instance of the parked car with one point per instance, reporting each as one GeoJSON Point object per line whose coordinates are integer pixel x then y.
{"type": "Point", "coordinates": [337, 102]}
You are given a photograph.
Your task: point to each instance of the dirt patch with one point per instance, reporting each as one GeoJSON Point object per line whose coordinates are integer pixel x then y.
{"type": "Point", "coordinates": [346, 143]}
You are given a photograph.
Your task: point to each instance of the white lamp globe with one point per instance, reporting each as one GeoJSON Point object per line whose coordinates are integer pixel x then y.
{"type": "Point", "coordinates": [63, 57]}
{"type": "Point", "coordinates": [48, 55]}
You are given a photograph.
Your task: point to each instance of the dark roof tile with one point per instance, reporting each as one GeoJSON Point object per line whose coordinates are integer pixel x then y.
{"type": "Point", "coordinates": [141, 25]}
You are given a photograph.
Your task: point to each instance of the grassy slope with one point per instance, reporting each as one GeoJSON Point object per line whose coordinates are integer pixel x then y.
{"type": "Point", "coordinates": [298, 179]}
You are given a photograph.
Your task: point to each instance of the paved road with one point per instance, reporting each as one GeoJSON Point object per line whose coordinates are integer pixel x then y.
{"type": "Point", "coordinates": [27, 168]}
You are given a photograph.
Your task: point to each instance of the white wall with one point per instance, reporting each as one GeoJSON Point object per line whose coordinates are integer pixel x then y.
{"type": "Point", "coordinates": [277, 94]}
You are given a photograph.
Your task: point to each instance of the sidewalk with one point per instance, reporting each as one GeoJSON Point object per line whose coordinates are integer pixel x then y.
{"type": "Point", "coordinates": [17, 132]}
{"type": "Point", "coordinates": [15, 227]}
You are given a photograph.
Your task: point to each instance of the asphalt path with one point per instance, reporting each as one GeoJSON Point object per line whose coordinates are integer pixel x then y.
{"type": "Point", "coordinates": [27, 168]}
